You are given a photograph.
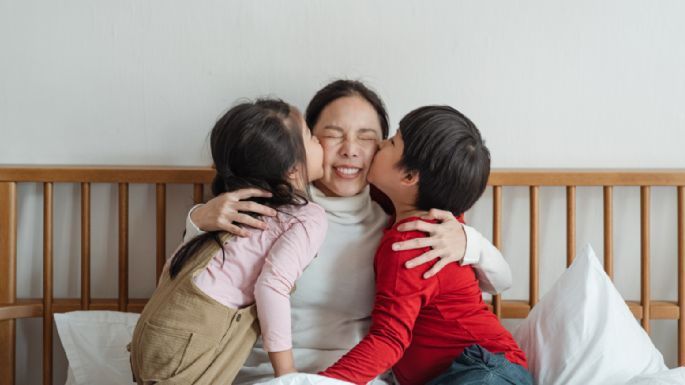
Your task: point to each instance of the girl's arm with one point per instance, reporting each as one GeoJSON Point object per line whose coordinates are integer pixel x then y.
{"type": "Point", "coordinates": [287, 258]}
{"type": "Point", "coordinates": [221, 212]}
{"type": "Point", "coordinates": [282, 362]}
{"type": "Point", "coordinates": [451, 242]}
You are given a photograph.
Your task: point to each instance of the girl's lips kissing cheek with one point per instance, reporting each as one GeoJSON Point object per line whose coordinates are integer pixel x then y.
{"type": "Point", "coordinates": [347, 172]}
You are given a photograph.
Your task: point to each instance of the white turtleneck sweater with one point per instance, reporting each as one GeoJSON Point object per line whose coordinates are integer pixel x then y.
{"type": "Point", "coordinates": [331, 306]}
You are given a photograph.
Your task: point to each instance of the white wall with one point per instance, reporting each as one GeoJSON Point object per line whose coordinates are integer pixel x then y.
{"type": "Point", "coordinates": [549, 83]}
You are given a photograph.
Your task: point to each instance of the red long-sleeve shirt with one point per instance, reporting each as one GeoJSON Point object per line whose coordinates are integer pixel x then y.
{"type": "Point", "coordinates": [419, 326]}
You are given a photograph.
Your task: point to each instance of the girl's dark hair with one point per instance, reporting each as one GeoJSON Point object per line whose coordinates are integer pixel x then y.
{"type": "Point", "coordinates": [448, 152]}
{"type": "Point", "coordinates": [341, 88]}
{"type": "Point", "coordinates": [255, 144]}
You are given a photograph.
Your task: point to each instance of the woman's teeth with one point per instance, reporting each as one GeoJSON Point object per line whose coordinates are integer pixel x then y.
{"type": "Point", "coordinates": [348, 170]}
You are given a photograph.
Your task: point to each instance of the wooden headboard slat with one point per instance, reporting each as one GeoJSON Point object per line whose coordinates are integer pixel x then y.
{"type": "Point", "coordinates": [570, 224]}
{"type": "Point", "coordinates": [645, 256]}
{"type": "Point", "coordinates": [681, 275]}
{"type": "Point", "coordinates": [85, 246]}
{"type": "Point", "coordinates": [8, 283]}
{"type": "Point", "coordinates": [47, 281]}
{"type": "Point", "coordinates": [609, 231]}
{"type": "Point", "coordinates": [497, 238]}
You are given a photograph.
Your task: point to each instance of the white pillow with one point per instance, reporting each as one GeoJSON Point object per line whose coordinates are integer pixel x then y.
{"type": "Point", "coordinates": [95, 344]}
{"type": "Point", "coordinates": [582, 332]}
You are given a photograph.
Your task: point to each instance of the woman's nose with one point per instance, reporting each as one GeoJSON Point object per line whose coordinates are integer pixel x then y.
{"type": "Point", "coordinates": [350, 149]}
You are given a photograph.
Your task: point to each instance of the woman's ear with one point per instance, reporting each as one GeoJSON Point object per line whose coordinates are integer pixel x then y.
{"type": "Point", "coordinates": [410, 178]}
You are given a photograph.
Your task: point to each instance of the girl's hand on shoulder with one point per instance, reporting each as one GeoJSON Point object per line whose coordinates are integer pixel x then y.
{"type": "Point", "coordinates": [223, 211]}
{"type": "Point", "coordinates": [446, 239]}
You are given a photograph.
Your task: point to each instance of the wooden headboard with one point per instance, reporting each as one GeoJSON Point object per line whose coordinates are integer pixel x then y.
{"type": "Point", "coordinates": [12, 308]}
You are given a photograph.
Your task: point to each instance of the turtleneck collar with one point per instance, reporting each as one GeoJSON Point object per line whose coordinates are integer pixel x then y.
{"type": "Point", "coordinates": [344, 210]}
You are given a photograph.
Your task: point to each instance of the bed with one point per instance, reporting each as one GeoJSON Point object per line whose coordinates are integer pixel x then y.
{"type": "Point", "coordinates": [48, 307]}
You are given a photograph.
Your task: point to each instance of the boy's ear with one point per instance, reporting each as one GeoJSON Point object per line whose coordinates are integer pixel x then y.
{"type": "Point", "coordinates": [410, 178]}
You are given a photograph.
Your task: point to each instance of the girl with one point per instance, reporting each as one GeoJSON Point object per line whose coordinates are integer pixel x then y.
{"type": "Point", "coordinates": [201, 322]}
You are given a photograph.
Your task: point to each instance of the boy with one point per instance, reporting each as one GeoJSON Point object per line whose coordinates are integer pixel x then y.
{"type": "Point", "coordinates": [419, 326]}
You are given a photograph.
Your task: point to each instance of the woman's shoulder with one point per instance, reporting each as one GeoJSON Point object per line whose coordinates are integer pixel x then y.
{"type": "Point", "coordinates": [307, 212]}
{"type": "Point", "coordinates": [307, 222]}
{"type": "Point", "coordinates": [311, 217]}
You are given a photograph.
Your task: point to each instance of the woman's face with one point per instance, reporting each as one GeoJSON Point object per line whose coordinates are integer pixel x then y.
{"type": "Point", "coordinates": [349, 132]}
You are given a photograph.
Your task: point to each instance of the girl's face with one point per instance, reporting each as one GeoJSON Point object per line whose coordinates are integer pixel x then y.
{"type": "Point", "coordinates": [349, 131]}
{"type": "Point", "coordinates": [314, 153]}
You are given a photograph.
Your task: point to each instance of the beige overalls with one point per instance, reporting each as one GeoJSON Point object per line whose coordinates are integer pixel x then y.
{"type": "Point", "coordinates": [185, 337]}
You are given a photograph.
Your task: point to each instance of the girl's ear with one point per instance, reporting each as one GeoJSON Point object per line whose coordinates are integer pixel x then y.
{"type": "Point", "coordinates": [294, 173]}
{"type": "Point", "coordinates": [295, 178]}
{"type": "Point", "coordinates": [410, 178]}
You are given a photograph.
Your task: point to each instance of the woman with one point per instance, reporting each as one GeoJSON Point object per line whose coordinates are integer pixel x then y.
{"type": "Point", "coordinates": [332, 304]}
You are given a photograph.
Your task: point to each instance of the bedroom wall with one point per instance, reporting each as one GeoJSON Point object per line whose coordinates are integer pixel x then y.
{"type": "Point", "coordinates": [580, 84]}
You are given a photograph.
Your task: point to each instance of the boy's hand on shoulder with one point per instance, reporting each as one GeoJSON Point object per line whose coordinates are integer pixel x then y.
{"type": "Point", "coordinates": [446, 239]}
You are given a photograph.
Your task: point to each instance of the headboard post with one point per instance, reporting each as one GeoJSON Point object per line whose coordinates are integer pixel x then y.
{"type": "Point", "coordinates": [8, 277]}
{"type": "Point", "coordinates": [681, 275]}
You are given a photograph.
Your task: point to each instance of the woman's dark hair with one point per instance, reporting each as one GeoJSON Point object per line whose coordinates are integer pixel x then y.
{"type": "Point", "coordinates": [255, 144]}
{"type": "Point", "coordinates": [447, 151]}
{"type": "Point", "coordinates": [342, 88]}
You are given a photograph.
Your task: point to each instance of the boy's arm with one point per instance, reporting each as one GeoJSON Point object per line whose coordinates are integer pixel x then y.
{"type": "Point", "coordinates": [494, 274]}
{"type": "Point", "coordinates": [400, 295]}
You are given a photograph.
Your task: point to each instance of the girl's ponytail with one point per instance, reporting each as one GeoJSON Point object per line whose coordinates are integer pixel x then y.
{"type": "Point", "coordinates": [190, 249]}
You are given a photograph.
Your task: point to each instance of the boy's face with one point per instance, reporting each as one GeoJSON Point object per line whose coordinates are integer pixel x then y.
{"type": "Point", "coordinates": [384, 172]}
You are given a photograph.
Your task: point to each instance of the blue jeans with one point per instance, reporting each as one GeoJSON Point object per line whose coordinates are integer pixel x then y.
{"type": "Point", "coordinates": [477, 366]}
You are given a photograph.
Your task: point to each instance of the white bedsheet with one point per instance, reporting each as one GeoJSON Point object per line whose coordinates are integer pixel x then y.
{"type": "Point", "coordinates": [95, 344]}
{"type": "Point", "coordinates": [310, 379]}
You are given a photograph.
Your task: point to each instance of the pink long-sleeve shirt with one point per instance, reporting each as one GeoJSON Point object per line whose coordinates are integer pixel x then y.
{"type": "Point", "coordinates": [264, 266]}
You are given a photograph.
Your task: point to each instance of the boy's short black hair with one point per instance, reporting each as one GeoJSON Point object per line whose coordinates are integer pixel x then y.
{"type": "Point", "coordinates": [447, 151]}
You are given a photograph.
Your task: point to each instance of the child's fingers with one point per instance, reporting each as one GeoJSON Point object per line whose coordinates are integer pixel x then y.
{"type": "Point", "coordinates": [254, 207]}
{"type": "Point", "coordinates": [418, 225]}
{"type": "Point", "coordinates": [423, 258]}
{"type": "Point", "coordinates": [436, 268]}
{"type": "Point", "coordinates": [411, 244]}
